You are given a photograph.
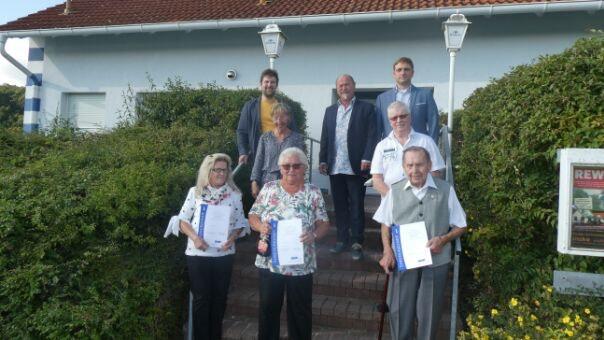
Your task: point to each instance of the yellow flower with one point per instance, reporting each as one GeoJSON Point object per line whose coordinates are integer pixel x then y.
{"type": "Point", "coordinates": [587, 311]}
{"type": "Point", "coordinates": [537, 303]}
{"type": "Point", "coordinates": [527, 337]}
{"type": "Point", "coordinates": [569, 332]}
{"type": "Point", "coordinates": [549, 289]}
{"type": "Point", "coordinates": [513, 302]}
{"type": "Point", "coordinates": [539, 329]}
{"type": "Point", "coordinates": [566, 319]}
{"type": "Point", "coordinates": [533, 317]}
{"type": "Point", "coordinates": [480, 316]}
{"type": "Point", "coordinates": [520, 320]}
{"type": "Point", "coordinates": [494, 312]}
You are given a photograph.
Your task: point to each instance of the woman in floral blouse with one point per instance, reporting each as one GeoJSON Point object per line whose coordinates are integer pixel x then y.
{"type": "Point", "coordinates": [289, 198]}
{"type": "Point", "coordinates": [210, 267]}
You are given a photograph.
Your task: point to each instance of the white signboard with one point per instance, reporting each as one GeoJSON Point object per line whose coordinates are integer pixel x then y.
{"type": "Point", "coordinates": [581, 202]}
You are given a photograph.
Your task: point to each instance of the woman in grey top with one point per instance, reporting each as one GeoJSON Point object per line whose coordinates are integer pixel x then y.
{"type": "Point", "coordinates": [271, 144]}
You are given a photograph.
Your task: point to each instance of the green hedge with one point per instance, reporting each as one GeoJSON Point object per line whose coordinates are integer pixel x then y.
{"type": "Point", "coordinates": [507, 176]}
{"type": "Point", "coordinates": [12, 99]}
{"type": "Point", "coordinates": [82, 253]}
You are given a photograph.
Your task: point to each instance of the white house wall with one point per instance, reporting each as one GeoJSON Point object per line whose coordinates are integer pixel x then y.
{"type": "Point", "coordinates": [313, 57]}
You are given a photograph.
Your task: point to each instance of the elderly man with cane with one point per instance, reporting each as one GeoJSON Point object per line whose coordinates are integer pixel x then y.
{"type": "Point", "coordinates": [419, 291]}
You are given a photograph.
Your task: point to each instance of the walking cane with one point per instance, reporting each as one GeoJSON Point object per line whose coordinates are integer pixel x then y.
{"type": "Point", "coordinates": [383, 307]}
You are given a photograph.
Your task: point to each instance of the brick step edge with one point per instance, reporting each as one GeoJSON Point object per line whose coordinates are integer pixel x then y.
{"type": "Point", "coordinates": [343, 283]}
{"type": "Point", "coordinates": [237, 327]}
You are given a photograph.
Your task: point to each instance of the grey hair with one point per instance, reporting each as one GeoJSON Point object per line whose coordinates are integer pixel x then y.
{"type": "Point", "coordinates": [418, 149]}
{"type": "Point", "coordinates": [346, 76]}
{"type": "Point", "coordinates": [293, 151]}
{"type": "Point", "coordinates": [280, 107]}
{"type": "Point", "coordinates": [203, 175]}
{"type": "Point", "coordinates": [396, 106]}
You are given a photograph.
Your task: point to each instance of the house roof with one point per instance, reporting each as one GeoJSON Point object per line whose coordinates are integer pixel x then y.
{"type": "Point", "coordinates": [104, 13]}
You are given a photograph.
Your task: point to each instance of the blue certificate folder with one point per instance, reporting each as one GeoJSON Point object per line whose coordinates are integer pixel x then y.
{"type": "Point", "coordinates": [211, 217]}
{"type": "Point", "coordinates": [398, 249]}
{"type": "Point", "coordinates": [275, 260]}
{"type": "Point", "coordinates": [274, 252]}
{"type": "Point", "coordinates": [203, 209]}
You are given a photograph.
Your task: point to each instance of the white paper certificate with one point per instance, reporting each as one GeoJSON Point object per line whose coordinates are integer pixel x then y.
{"type": "Point", "coordinates": [214, 224]}
{"type": "Point", "coordinates": [409, 243]}
{"type": "Point", "coordinates": [287, 249]}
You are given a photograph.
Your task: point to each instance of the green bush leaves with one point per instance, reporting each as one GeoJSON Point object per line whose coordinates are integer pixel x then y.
{"type": "Point", "coordinates": [82, 217]}
{"type": "Point", "coordinates": [507, 172]}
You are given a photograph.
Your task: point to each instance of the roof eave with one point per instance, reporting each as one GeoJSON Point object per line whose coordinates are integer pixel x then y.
{"type": "Point", "coordinates": [388, 16]}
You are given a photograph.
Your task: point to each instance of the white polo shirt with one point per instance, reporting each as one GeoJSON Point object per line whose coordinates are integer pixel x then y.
{"type": "Point", "coordinates": [388, 155]}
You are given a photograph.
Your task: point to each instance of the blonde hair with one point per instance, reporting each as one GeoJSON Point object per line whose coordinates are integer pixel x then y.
{"type": "Point", "coordinates": [282, 108]}
{"type": "Point", "coordinates": [203, 175]}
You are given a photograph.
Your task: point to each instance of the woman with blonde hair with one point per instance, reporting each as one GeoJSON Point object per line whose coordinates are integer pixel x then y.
{"type": "Point", "coordinates": [209, 266]}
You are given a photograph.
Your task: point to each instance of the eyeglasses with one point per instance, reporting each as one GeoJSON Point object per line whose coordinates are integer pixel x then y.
{"type": "Point", "coordinates": [219, 171]}
{"type": "Point", "coordinates": [401, 117]}
{"type": "Point", "coordinates": [295, 166]}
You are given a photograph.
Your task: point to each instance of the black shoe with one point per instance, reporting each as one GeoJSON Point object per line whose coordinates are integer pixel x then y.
{"type": "Point", "coordinates": [357, 252]}
{"type": "Point", "coordinates": [338, 248]}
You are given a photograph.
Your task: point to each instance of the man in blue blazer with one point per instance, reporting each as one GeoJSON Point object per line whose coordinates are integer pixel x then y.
{"type": "Point", "coordinates": [348, 138]}
{"type": "Point", "coordinates": [424, 113]}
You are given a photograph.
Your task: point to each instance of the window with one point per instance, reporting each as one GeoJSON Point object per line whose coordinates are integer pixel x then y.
{"type": "Point", "coordinates": [86, 111]}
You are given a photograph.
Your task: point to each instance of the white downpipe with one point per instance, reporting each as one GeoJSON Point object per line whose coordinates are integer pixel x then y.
{"type": "Point", "coordinates": [387, 16]}
{"type": "Point", "coordinates": [452, 55]}
{"type": "Point", "coordinates": [10, 58]}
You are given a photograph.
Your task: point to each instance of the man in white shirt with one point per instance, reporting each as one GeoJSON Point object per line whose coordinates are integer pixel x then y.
{"type": "Point", "coordinates": [348, 138]}
{"type": "Point", "coordinates": [388, 156]}
{"type": "Point", "coordinates": [419, 291]}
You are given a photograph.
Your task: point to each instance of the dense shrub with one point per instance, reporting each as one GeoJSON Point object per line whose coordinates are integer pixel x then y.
{"type": "Point", "coordinates": [507, 174]}
{"type": "Point", "coordinates": [11, 105]}
{"type": "Point", "coordinates": [81, 247]}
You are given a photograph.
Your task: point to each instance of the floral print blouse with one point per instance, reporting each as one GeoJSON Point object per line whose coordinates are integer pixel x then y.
{"type": "Point", "coordinates": [274, 203]}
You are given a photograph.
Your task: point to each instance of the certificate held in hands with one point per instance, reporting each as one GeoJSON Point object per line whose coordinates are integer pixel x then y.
{"type": "Point", "coordinates": [409, 245]}
{"type": "Point", "coordinates": [287, 249]}
{"type": "Point", "coordinates": [214, 224]}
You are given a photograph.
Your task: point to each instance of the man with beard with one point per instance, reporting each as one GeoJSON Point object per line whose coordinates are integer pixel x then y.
{"type": "Point", "coordinates": [255, 117]}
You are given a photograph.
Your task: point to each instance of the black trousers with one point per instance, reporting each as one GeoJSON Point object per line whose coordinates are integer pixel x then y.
{"type": "Point", "coordinates": [348, 194]}
{"type": "Point", "coordinates": [298, 291]}
{"type": "Point", "coordinates": [210, 278]}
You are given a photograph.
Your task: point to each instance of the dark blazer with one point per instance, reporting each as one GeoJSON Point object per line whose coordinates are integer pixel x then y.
{"type": "Point", "coordinates": [424, 113]}
{"type": "Point", "coordinates": [362, 135]}
{"type": "Point", "coordinates": [248, 129]}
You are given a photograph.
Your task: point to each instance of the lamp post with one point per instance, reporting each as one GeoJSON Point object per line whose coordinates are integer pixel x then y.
{"type": "Point", "coordinates": [272, 41]}
{"type": "Point", "coordinates": [455, 30]}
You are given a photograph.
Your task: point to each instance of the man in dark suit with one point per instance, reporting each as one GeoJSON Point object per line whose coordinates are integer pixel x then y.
{"type": "Point", "coordinates": [424, 113]}
{"type": "Point", "coordinates": [348, 139]}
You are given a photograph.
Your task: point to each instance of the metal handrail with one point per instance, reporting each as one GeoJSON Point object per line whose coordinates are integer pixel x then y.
{"type": "Point", "coordinates": [456, 259]}
{"type": "Point", "coordinates": [310, 153]}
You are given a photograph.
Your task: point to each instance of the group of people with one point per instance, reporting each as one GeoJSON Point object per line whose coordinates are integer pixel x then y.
{"type": "Point", "coordinates": [394, 142]}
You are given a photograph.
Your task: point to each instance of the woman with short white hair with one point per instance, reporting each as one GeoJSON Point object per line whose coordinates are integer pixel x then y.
{"type": "Point", "coordinates": [286, 199]}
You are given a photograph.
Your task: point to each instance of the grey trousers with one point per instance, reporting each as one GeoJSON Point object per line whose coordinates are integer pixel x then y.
{"type": "Point", "coordinates": [416, 293]}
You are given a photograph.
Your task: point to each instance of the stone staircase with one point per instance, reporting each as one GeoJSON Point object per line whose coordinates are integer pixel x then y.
{"type": "Point", "coordinates": [346, 293]}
